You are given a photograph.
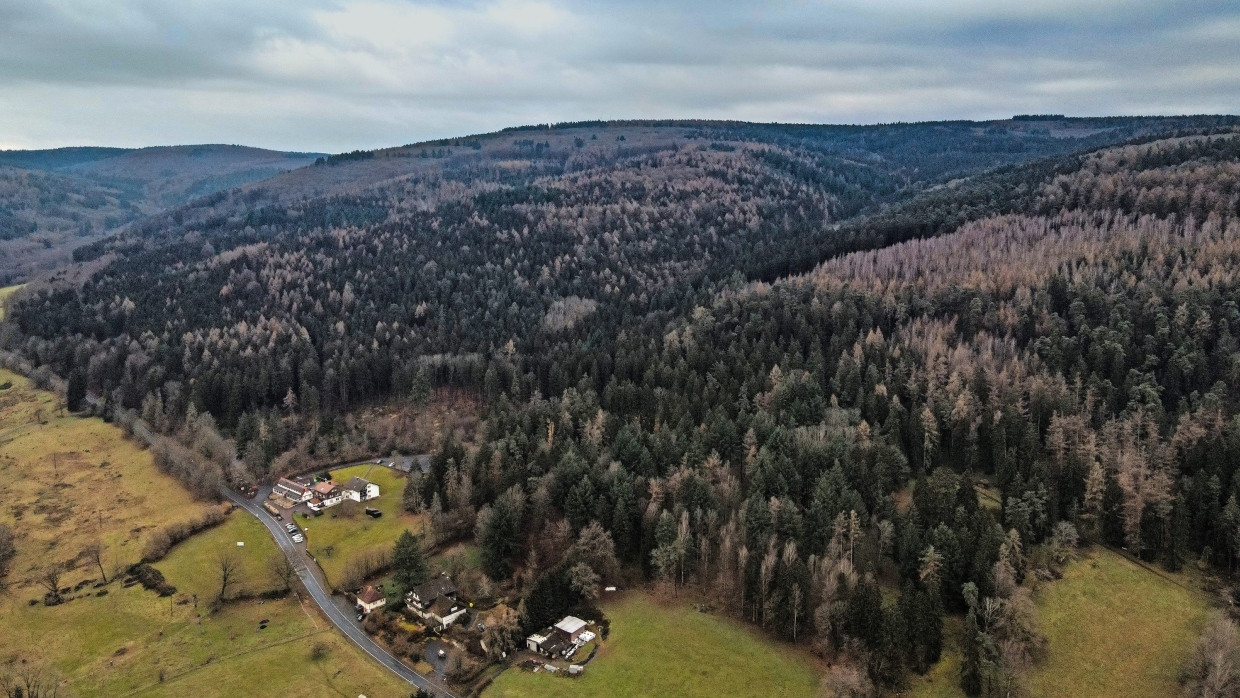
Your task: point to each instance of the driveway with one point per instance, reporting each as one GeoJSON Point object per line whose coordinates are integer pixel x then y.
{"type": "Point", "coordinates": [312, 577]}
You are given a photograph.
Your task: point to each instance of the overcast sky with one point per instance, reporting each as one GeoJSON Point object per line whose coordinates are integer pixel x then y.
{"type": "Point", "coordinates": [338, 75]}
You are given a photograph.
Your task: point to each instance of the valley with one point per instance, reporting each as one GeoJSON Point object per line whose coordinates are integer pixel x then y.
{"type": "Point", "coordinates": [834, 411]}
{"type": "Point", "coordinates": [75, 481]}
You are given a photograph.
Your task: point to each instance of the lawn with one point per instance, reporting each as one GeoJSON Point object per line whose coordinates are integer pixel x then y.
{"type": "Point", "coordinates": [335, 539]}
{"type": "Point", "coordinates": [1115, 629]}
{"type": "Point", "coordinates": [674, 650]}
{"type": "Point", "coordinates": [70, 481]}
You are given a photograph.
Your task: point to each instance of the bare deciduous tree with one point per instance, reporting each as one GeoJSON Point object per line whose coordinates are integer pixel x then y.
{"type": "Point", "coordinates": [282, 570]}
{"type": "Point", "coordinates": [1213, 671]}
{"type": "Point", "coordinates": [29, 681]}
{"type": "Point", "coordinates": [228, 567]}
{"type": "Point", "coordinates": [94, 554]}
{"type": "Point", "coordinates": [49, 578]}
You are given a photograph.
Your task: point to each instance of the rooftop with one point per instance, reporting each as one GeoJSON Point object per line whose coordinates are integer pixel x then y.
{"type": "Point", "coordinates": [357, 484]}
{"type": "Point", "coordinates": [570, 624]}
{"type": "Point", "coordinates": [370, 595]}
{"type": "Point", "coordinates": [433, 589]}
{"type": "Point", "coordinates": [290, 485]}
{"type": "Point", "coordinates": [444, 606]}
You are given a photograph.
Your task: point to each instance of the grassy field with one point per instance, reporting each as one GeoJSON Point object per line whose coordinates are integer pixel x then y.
{"type": "Point", "coordinates": [123, 643]}
{"type": "Point", "coordinates": [195, 561]}
{"type": "Point", "coordinates": [673, 650]}
{"type": "Point", "coordinates": [70, 481]}
{"type": "Point", "coordinates": [4, 296]}
{"type": "Point", "coordinates": [334, 539]}
{"type": "Point", "coordinates": [1115, 629]}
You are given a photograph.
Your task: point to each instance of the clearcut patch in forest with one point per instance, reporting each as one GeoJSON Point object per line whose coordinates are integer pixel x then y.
{"type": "Point", "coordinates": [4, 296]}
{"type": "Point", "coordinates": [1115, 628]}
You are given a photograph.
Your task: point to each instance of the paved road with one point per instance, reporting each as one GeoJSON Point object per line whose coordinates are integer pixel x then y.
{"type": "Point", "coordinates": [311, 577]}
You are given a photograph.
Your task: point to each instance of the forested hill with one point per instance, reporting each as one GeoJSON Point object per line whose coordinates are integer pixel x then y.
{"type": "Point", "coordinates": [354, 273]}
{"type": "Point", "coordinates": [802, 448]}
{"type": "Point", "coordinates": [53, 201]}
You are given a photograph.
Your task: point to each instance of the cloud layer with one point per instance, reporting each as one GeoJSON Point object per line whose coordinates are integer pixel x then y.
{"type": "Point", "coordinates": [342, 74]}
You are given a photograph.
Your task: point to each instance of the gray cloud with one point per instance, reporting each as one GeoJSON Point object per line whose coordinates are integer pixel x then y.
{"type": "Point", "coordinates": [344, 74]}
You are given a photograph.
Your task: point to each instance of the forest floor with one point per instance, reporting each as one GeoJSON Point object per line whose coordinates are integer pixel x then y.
{"type": "Point", "coordinates": [73, 480]}
{"type": "Point", "coordinates": [943, 679]}
{"type": "Point", "coordinates": [670, 648]}
{"type": "Point", "coordinates": [336, 538]}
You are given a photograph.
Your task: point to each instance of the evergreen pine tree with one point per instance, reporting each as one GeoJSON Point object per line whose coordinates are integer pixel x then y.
{"type": "Point", "coordinates": [408, 563]}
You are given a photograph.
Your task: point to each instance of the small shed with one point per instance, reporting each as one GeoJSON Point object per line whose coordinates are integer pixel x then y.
{"type": "Point", "coordinates": [535, 642]}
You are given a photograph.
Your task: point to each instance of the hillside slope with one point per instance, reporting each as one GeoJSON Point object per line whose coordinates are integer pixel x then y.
{"type": "Point", "coordinates": [801, 448]}
{"type": "Point", "coordinates": [355, 270]}
{"type": "Point", "coordinates": [53, 201]}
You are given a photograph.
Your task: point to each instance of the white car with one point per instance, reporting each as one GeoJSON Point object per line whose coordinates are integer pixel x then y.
{"type": "Point", "coordinates": [299, 538]}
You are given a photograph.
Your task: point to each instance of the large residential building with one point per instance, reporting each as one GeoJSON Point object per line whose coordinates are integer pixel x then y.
{"type": "Point", "coordinates": [360, 490]}
{"type": "Point", "coordinates": [328, 493]}
{"type": "Point", "coordinates": [292, 491]}
{"type": "Point", "coordinates": [436, 602]}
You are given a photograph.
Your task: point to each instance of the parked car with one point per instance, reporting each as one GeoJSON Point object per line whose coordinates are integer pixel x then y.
{"type": "Point", "coordinates": [361, 617]}
{"type": "Point", "coordinates": [299, 538]}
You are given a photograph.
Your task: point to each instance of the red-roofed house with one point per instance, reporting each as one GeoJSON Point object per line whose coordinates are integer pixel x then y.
{"type": "Point", "coordinates": [370, 598]}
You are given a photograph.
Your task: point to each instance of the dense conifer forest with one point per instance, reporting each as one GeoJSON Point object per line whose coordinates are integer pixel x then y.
{"type": "Point", "coordinates": [769, 361]}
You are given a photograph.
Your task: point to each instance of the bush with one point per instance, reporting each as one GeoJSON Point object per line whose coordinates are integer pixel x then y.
{"type": "Point", "coordinates": [152, 579]}
{"type": "Point", "coordinates": [319, 652]}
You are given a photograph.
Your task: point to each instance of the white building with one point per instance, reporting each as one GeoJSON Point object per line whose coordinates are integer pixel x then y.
{"type": "Point", "coordinates": [292, 491]}
{"type": "Point", "coordinates": [370, 599]}
{"type": "Point", "coordinates": [360, 490]}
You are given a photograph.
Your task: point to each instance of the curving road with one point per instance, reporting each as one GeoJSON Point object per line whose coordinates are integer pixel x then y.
{"type": "Point", "coordinates": [312, 577]}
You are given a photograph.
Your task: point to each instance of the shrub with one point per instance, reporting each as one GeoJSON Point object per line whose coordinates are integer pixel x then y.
{"type": "Point", "coordinates": [318, 652]}
{"type": "Point", "coordinates": [152, 579]}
